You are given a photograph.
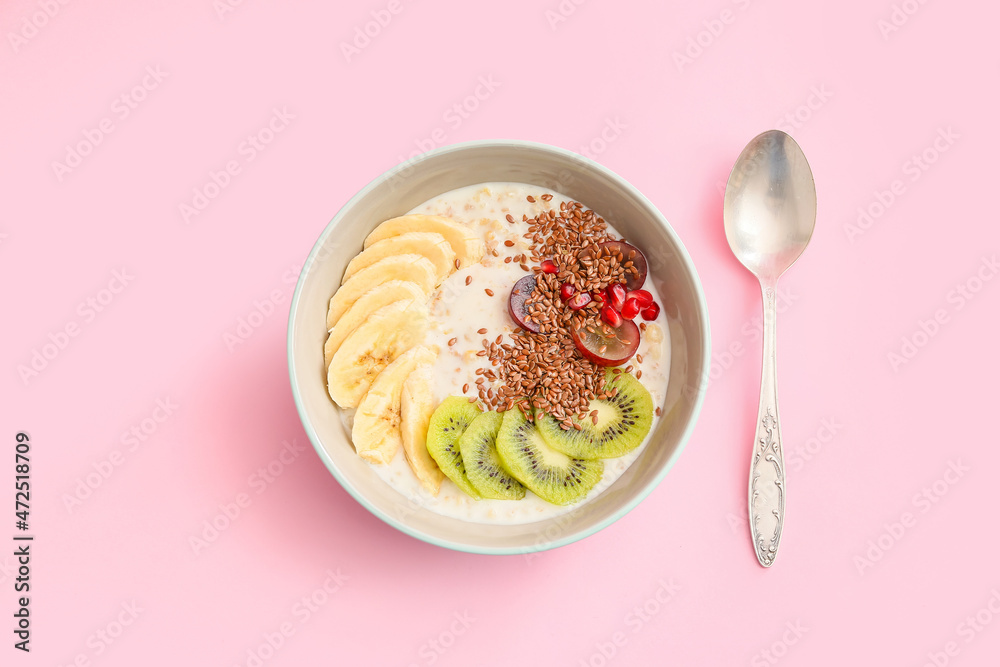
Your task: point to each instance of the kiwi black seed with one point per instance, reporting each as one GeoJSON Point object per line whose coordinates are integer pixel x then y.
{"type": "Point", "coordinates": [549, 474]}
{"type": "Point", "coordinates": [447, 424]}
{"type": "Point", "coordinates": [623, 420]}
{"type": "Point", "coordinates": [482, 465]}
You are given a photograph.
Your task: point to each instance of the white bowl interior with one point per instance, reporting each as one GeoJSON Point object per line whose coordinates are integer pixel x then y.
{"type": "Point", "coordinates": [452, 167]}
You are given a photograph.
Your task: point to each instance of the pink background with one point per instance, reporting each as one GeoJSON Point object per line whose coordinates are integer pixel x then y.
{"type": "Point", "coordinates": [870, 571]}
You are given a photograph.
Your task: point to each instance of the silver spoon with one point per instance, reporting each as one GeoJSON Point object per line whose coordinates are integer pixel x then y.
{"type": "Point", "coordinates": [769, 213]}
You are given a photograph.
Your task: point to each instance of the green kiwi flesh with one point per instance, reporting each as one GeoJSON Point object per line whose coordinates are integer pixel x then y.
{"type": "Point", "coordinates": [447, 424]}
{"type": "Point", "coordinates": [623, 421]}
{"type": "Point", "coordinates": [482, 464]}
{"type": "Point", "coordinates": [549, 474]}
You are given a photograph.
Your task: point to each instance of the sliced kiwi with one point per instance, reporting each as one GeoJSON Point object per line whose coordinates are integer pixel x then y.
{"type": "Point", "coordinates": [623, 420]}
{"type": "Point", "coordinates": [482, 465]}
{"type": "Point", "coordinates": [551, 475]}
{"type": "Point", "coordinates": [447, 424]}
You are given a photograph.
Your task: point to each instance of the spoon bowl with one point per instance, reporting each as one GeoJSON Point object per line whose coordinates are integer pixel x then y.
{"type": "Point", "coordinates": [770, 205]}
{"type": "Point", "coordinates": [769, 215]}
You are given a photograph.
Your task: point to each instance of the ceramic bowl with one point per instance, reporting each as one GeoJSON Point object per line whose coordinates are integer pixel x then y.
{"type": "Point", "coordinates": [411, 183]}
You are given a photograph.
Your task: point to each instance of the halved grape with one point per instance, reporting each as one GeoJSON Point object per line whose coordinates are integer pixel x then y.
{"type": "Point", "coordinates": [607, 346]}
{"type": "Point", "coordinates": [516, 303]}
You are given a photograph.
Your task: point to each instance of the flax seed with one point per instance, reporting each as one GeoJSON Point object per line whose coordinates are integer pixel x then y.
{"type": "Point", "coordinates": [509, 243]}
{"type": "Point", "coordinates": [531, 199]}
{"type": "Point", "coordinates": [452, 342]}
{"type": "Point", "coordinates": [488, 291]}
{"type": "Point", "coordinates": [510, 218]}
{"type": "Point", "coordinates": [465, 388]}
{"type": "Point", "coordinates": [468, 279]}
{"type": "Point", "coordinates": [481, 331]}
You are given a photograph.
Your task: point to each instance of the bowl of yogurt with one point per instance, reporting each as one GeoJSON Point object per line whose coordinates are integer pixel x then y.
{"type": "Point", "coordinates": [496, 191]}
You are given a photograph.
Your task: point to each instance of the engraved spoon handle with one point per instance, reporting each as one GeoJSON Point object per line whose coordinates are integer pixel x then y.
{"type": "Point", "coordinates": [766, 500]}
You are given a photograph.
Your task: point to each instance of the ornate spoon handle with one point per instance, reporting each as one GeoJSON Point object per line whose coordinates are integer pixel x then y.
{"type": "Point", "coordinates": [766, 501]}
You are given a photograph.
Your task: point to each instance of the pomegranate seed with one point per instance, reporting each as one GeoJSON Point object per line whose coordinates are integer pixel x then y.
{"type": "Point", "coordinates": [566, 291]}
{"type": "Point", "coordinates": [652, 312]}
{"type": "Point", "coordinates": [611, 316]}
{"type": "Point", "coordinates": [579, 300]}
{"type": "Point", "coordinates": [630, 309]}
{"type": "Point", "coordinates": [644, 298]}
{"type": "Point", "coordinates": [548, 266]}
{"type": "Point", "coordinates": [616, 293]}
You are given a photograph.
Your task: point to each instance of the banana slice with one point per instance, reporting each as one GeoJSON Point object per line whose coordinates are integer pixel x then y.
{"type": "Point", "coordinates": [415, 268]}
{"type": "Point", "coordinates": [468, 246]}
{"type": "Point", "coordinates": [376, 432]}
{"type": "Point", "coordinates": [416, 408]}
{"type": "Point", "coordinates": [370, 301]}
{"type": "Point", "coordinates": [432, 246]}
{"type": "Point", "coordinates": [387, 333]}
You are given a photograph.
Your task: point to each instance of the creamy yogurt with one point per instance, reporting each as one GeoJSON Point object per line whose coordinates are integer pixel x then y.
{"type": "Point", "coordinates": [459, 311]}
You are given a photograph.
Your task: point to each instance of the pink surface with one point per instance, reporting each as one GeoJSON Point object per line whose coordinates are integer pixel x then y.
{"type": "Point", "coordinates": [889, 554]}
